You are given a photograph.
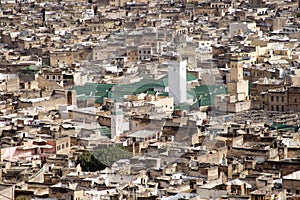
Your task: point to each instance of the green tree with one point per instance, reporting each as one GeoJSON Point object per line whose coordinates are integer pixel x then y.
{"type": "Point", "coordinates": [112, 154]}
{"type": "Point", "coordinates": [88, 162]}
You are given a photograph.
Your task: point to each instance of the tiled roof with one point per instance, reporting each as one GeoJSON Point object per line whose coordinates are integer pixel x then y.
{"type": "Point", "coordinates": [205, 93]}
{"type": "Point", "coordinates": [99, 91]}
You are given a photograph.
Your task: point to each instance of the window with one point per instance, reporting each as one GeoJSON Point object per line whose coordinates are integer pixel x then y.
{"type": "Point", "coordinates": [272, 98]}
{"type": "Point", "coordinates": [47, 77]}
{"type": "Point", "coordinates": [277, 99]}
{"type": "Point", "coordinates": [53, 77]}
{"type": "Point", "coordinates": [282, 99]}
{"type": "Point", "coordinates": [297, 192]}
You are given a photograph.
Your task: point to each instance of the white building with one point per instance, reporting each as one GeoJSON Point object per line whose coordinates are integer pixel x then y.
{"type": "Point", "coordinates": [116, 120]}
{"type": "Point", "coordinates": [238, 28]}
{"type": "Point", "coordinates": [177, 80]}
{"type": "Point", "coordinates": [144, 52]}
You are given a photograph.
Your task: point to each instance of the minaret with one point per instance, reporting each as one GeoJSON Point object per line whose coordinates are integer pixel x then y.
{"type": "Point", "coordinates": [237, 99]}
{"type": "Point", "coordinates": [116, 120]}
{"type": "Point", "coordinates": [236, 69]}
{"type": "Point", "coordinates": [177, 80]}
{"type": "Point", "coordinates": [1, 167]}
{"type": "Point", "coordinates": [237, 86]}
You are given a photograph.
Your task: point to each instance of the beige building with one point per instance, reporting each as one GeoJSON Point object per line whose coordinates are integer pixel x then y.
{"type": "Point", "coordinates": [132, 54]}
{"type": "Point", "coordinates": [237, 98]}
{"type": "Point", "coordinates": [294, 98]}
{"type": "Point", "coordinates": [61, 57]}
{"type": "Point", "coordinates": [237, 86]}
{"type": "Point", "coordinates": [144, 52]}
{"type": "Point", "coordinates": [291, 183]}
{"type": "Point", "coordinates": [278, 99]}
{"type": "Point", "coordinates": [117, 3]}
{"type": "Point", "coordinates": [162, 104]}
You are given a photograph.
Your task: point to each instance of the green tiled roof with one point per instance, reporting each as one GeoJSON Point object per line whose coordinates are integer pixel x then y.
{"type": "Point", "coordinates": [99, 91]}
{"type": "Point", "coordinates": [182, 107]}
{"type": "Point", "coordinates": [284, 127]}
{"type": "Point", "coordinates": [105, 131]}
{"type": "Point", "coordinates": [205, 94]}
{"type": "Point", "coordinates": [151, 92]}
{"type": "Point", "coordinates": [164, 94]}
{"type": "Point", "coordinates": [118, 91]}
{"type": "Point", "coordinates": [189, 78]}
{"type": "Point", "coordinates": [34, 68]}
{"type": "Point", "coordinates": [81, 97]}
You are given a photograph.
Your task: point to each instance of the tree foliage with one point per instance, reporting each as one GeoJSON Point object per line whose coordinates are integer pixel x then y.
{"type": "Point", "coordinates": [112, 154]}
{"type": "Point", "coordinates": [88, 162]}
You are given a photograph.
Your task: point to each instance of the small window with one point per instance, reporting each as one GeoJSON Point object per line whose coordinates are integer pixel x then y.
{"type": "Point", "coordinates": [272, 98]}
{"type": "Point", "coordinates": [282, 99]}
{"type": "Point", "coordinates": [53, 77]}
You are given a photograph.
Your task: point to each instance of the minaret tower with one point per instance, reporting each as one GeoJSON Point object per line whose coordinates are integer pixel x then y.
{"type": "Point", "coordinates": [237, 86]}
{"type": "Point", "coordinates": [177, 80]}
{"type": "Point", "coordinates": [116, 120]}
